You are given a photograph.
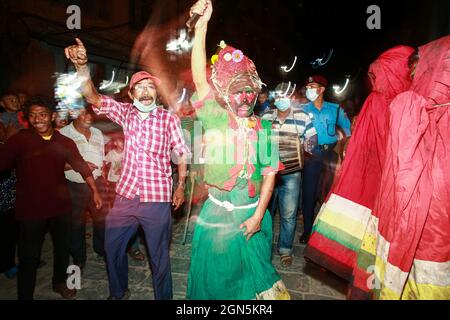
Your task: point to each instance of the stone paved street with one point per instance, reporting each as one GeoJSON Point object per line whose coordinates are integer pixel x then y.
{"type": "Point", "coordinates": [304, 281]}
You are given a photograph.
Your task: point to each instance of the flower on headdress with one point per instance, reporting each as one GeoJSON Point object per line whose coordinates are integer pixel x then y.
{"type": "Point", "coordinates": [237, 55]}
{"type": "Point", "coordinates": [227, 57]}
{"type": "Point", "coordinates": [222, 44]}
{"type": "Point", "coordinates": [214, 59]}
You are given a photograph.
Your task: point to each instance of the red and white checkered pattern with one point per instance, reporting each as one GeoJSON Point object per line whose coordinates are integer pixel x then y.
{"type": "Point", "coordinates": [148, 145]}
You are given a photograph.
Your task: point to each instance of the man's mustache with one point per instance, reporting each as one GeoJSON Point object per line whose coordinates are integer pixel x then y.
{"type": "Point", "coordinates": [145, 98]}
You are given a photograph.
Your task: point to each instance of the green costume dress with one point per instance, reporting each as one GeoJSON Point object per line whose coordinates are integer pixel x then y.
{"type": "Point", "coordinates": [224, 265]}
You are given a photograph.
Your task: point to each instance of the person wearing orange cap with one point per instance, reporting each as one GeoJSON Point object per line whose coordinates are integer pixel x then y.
{"type": "Point", "coordinates": [232, 241]}
{"type": "Point", "coordinates": [144, 191]}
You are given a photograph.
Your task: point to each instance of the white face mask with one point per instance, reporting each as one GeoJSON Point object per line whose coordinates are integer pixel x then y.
{"type": "Point", "coordinates": [311, 94]}
{"type": "Point", "coordinates": [283, 104]}
{"type": "Point", "coordinates": [142, 107]}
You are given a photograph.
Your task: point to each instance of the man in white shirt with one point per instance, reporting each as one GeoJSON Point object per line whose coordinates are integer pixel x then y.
{"type": "Point", "coordinates": [90, 143]}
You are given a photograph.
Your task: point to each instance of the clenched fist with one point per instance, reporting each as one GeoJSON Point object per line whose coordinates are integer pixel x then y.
{"type": "Point", "coordinates": [204, 9]}
{"type": "Point", "coordinates": [77, 53]}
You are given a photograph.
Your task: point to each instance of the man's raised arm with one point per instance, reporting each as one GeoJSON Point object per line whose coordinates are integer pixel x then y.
{"type": "Point", "coordinates": [78, 55]}
{"type": "Point", "coordinates": [198, 57]}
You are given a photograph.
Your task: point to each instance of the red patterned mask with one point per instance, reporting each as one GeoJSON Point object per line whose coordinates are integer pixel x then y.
{"type": "Point", "coordinates": [243, 102]}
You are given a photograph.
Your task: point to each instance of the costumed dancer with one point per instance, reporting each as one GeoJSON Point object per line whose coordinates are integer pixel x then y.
{"type": "Point", "coordinates": [405, 251]}
{"type": "Point", "coordinates": [232, 241]}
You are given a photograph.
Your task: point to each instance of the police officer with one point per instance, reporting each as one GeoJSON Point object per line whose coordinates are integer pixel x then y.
{"type": "Point", "coordinates": [325, 116]}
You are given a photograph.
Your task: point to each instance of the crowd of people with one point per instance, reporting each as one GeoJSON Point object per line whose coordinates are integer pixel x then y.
{"type": "Point", "coordinates": [384, 212]}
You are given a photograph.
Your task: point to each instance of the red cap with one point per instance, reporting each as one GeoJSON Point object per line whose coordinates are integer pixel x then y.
{"type": "Point", "coordinates": [141, 75]}
{"type": "Point", "coordinates": [317, 79]}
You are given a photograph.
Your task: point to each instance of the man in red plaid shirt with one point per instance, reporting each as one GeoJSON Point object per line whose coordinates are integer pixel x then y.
{"type": "Point", "coordinates": [144, 190]}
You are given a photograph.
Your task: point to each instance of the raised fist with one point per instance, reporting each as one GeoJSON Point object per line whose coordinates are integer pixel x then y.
{"type": "Point", "coordinates": [77, 53]}
{"type": "Point", "coordinates": [204, 9]}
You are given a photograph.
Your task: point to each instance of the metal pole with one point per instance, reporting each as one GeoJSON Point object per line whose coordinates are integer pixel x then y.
{"type": "Point", "coordinates": [188, 215]}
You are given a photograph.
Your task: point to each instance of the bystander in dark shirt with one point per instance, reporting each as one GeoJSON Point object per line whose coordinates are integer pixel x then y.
{"type": "Point", "coordinates": [41, 190]}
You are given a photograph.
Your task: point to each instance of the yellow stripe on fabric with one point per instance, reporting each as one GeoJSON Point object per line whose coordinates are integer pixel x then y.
{"type": "Point", "coordinates": [343, 222]}
{"type": "Point", "coordinates": [349, 208]}
{"type": "Point", "coordinates": [380, 267]}
{"type": "Point", "coordinates": [415, 291]}
{"type": "Point", "coordinates": [427, 280]}
{"type": "Point", "coordinates": [369, 244]}
{"type": "Point", "coordinates": [388, 294]}
{"type": "Point", "coordinates": [392, 277]}
{"type": "Point", "coordinates": [337, 235]}
{"type": "Point", "coordinates": [387, 290]}
{"type": "Point", "coordinates": [411, 291]}
{"type": "Point", "coordinates": [430, 272]}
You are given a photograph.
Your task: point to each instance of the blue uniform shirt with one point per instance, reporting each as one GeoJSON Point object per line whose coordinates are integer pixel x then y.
{"type": "Point", "coordinates": [325, 121]}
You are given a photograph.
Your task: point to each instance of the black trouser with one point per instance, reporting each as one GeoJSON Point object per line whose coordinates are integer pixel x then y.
{"type": "Point", "coordinates": [312, 178]}
{"type": "Point", "coordinates": [82, 201]}
{"type": "Point", "coordinates": [31, 238]}
{"type": "Point", "coordinates": [8, 240]}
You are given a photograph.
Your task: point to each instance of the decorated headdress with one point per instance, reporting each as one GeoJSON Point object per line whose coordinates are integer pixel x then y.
{"type": "Point", "coordinates": [230, 65]}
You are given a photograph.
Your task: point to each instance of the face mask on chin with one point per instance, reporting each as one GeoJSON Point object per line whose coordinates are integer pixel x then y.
{"type": "Point", "coordinates": [311, 94]}
{"type": "Point", "coordinates": [142, 107]}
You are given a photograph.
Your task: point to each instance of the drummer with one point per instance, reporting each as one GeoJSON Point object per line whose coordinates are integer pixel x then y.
{"type": "Point", "coordinates": [297, 135]}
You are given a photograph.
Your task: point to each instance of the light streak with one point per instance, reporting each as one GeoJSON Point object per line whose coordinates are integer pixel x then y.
{"type": "Point", "coordinates": [337, 89]}
{"type": "Point", "coordinates": [286, 69]}
{"type": "Point", "coordinates": [287, 90]}
{"type": "Point", "coordinates": [182, 96]}
{"type": "Point", "coordinates": [104, 85]}
{"type": "Point", "coordinates": [319, 61]}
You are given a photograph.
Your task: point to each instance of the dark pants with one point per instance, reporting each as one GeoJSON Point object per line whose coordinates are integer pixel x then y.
{"type": "Point", "coordinates": [314, 184]}
{"type": "Point", "coordinates": [31, 238]}
{"type": "Point", "coordinates": [8, 240]}
{"type": "Point", "coordinates": [82, 201]}
{"type": "Point", "coordinates": [121, 224]}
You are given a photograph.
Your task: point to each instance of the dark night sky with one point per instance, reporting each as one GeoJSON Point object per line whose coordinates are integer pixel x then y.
{"type": "Point", "coordinates": [273, 32]}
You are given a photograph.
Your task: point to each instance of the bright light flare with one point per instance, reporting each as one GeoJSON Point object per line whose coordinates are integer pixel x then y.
{"type": "Point", "coordinates": [68, 92]}
{"type": "Point", "coordinates": [180, 45]}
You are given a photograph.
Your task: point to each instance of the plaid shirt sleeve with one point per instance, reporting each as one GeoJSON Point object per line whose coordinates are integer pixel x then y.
{"type": "Point", "coordinates": [114, 110]}
{"type": "Point", "coordinates": [177, 142]}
